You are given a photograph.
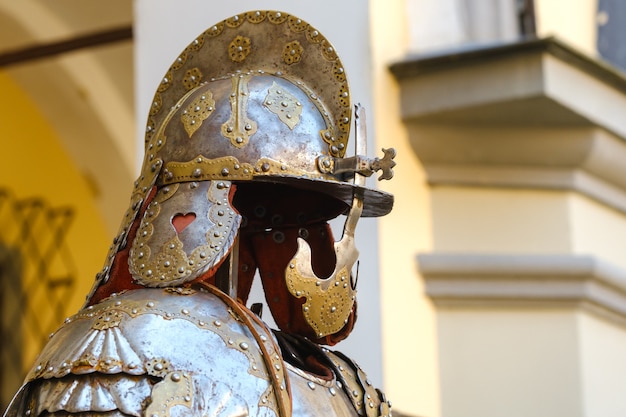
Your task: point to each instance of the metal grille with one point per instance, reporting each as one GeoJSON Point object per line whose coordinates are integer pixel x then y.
{"type": "Point", "coordinates": [37, 276]}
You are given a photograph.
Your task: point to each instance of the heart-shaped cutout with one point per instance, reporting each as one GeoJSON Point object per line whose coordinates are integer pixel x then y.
{"type": "Point", "coordinates": [181, 221]}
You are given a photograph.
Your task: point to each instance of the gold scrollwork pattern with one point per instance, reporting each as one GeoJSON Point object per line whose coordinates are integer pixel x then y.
{"type": "Point", "coordinates": [283, 105]}
{"type": "Point", "coordinates": [197, 112]}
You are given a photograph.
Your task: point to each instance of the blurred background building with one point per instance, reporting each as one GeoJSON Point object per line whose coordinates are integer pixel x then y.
{"type": "Point", "coordinates": [497, 286]}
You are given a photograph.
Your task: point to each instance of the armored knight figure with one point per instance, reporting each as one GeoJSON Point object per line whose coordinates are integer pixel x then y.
{"type": "Point", "coordinates": [245, 163]}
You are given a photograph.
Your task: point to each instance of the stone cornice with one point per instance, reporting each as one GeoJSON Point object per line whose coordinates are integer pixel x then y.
{"type": "Point", "coordinates": [482, 280]}
{"type": "Point", "coordinates": [531, 114]}
{"type": "Point", "coordinates": [416, 65]}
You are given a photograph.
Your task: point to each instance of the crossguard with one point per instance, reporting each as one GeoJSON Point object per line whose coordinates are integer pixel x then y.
{"type": "Point", "coordinates": [359, 164]}
{"type": "Point", "coordinates": [385, 165]}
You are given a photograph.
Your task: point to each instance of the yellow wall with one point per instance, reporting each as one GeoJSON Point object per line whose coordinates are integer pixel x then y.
{"type": "Point", "coordinates": [408, 322]}
{"type": "Point", "coordinates": [33, 164]}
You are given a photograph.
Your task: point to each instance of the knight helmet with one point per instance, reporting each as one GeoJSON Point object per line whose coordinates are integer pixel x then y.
{"type": "Point", "coordinates": [245, 163]}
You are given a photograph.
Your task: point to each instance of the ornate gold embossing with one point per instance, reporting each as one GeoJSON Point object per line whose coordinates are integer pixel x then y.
{"type": "Point", "coordinates": [202, 169]}
{"type": "Point", "coordinates": [156, 104]}
{"type": "Point", "coordinates": [340, 73]}
{"type": "Point", "coordinates": [192, 78]}
{"type": "Point", "coordinates": [158, 367]}
{"type": "Point", "coordinates": [283, 105]}
{"type": "Point", "coordinates": [197, 112]}
{"type": "Point", "coordinates": [328, 51]}
{"type": "Point", "coordinates": [344, 96]}
{"type": "Point", "coordinates": [296, 24]}
{"type": "Point", "coordinates": [228, 168]}
{"type": "Point", "coordinates": [179, 62]}
{"type": "Point", "coordinates": [108, 320]}
{"type": "Point", "coordinates": [256, 16]}
{"type": "Point", "coordinates": [292, 53]}
{"type": "Point", "coordinates": [239, 128]}
{"type": "Point", "coordinates": [239, 48]}
{"type": "Point", "coordinates": [277, 17]}
{"type": "Point", "coordinates": [158, 257]}
{"type": "Point", "coordinates": [175, 389]}
{"type": "Point", "coordinates": [235, 21]}
{"type": "Point", "coordinates": [328, 302]}
{"type": "Point", "coordinates": [215, 30]}
{"type": "Point", "coordinates": [313, 35]}
{"type": "Point", "coordinates": [196, 44]}
{"type": "Point", "coordinates": [166, 81]}
{"type": "Point", "coordinates": [319, 53]}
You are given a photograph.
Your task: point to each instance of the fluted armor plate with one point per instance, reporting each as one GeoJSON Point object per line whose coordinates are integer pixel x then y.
{"type": "Point", "coordinates": [172, 352]}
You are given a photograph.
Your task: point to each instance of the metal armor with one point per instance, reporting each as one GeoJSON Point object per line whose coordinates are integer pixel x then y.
{"type": "Point", "coordinates": [244, 166]}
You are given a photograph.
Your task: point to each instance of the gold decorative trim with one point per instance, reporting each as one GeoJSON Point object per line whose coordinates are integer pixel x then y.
{"type": "Point", "coordinates": [158, 260]}
{"type": "Point", "coordinates": [175, 389]}
{"type": "Point", "coordinates": [277, 17]}
{"type": "Point", "coordinates": [328, 301]}
{"type": "Point", "coordinates": [239, 48]}
{"type": "Point", "coordinates": [197, 112]}
{"type": "Point", "coordinates": [256, 17]}
{"type": "Point", "coordinates": [283, 105]}
{"type": "Point", "coordinates": [238, 35]}
{"type": "Point", "coordinates": [192, 78]}
{"type": "Point", "coordinates": [292, 53]}
{"type": "Point", "coordinates": [239, 128]}
{"type": "Point", "coordinates": [230, 169]}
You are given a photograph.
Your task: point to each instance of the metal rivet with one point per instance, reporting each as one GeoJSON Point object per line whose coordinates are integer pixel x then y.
{"type": "Point", "coordinates": [278, 236]}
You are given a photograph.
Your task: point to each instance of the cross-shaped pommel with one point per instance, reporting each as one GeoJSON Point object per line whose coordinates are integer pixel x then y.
{"type": "Point", "coordinates": [359, 164]}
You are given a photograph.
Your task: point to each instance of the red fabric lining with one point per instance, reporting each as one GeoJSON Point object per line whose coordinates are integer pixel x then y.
{"type": "Point", "coordinates": [272, 257]}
